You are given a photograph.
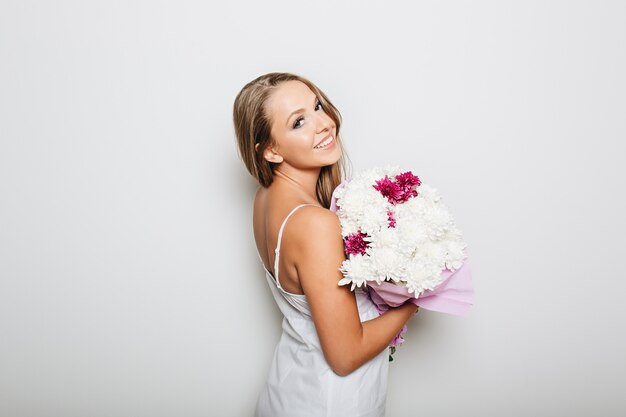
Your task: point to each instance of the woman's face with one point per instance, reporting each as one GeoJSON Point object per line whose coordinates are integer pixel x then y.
{"type": "Point", "coordinates": [299, 126]}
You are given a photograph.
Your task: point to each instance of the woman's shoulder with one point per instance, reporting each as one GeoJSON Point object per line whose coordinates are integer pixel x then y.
{"type": "Point", "coordinates": [312, 213]}
{"type": "Point", "coordinates": [304, 215]}
{"type": "Point", "coordinates": [314, 221]}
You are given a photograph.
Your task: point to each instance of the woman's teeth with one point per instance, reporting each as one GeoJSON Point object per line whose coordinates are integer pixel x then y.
{"type": "Point", "coordinates": [324, 144]}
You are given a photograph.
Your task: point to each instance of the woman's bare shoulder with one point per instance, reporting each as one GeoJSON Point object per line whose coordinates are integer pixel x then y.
{"type": "Point", "coordinates": [312, 222]}
{"type": "Point", "coordinates": [311, 213]}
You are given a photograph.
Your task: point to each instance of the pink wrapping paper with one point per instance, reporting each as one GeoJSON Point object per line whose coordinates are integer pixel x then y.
{"type": "Point", "coordinates": [455, 294]}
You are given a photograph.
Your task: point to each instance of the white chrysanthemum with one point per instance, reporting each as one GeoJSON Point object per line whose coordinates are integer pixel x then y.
{"type": "Point", "coordinates": [434, 252]}
{"type": "Point", "coordinates": [370, 176]}
{"type": "Point", "coordinates": [455, 255]}
{"type": "Point", "coordinates": [374, 217]}
{"type": "Point", "coordinates": [390, 170]}
{"type": "Point", "coordinates": [438, 220]}
{"type": "Point", "coordinates": [411, 231]}
{"type": "Point", "coordinates": [422, 276]}
{"type": "Point", "coordinates": [354, 200]}
{"type": "Point", "coordinates": [387, 264]}
{"type": "Point", "coordinates": [356, 270]}
{"type": "Point", "coordinates": [340, 191]}
{"type": "Point", "coordinates": [428, 193]}
{"type": "Point", "coordinates": [417, 273]}
{"type": "Point", "coordinates": [348, 225]}
{"type": "Point", "coordinates": [453, 233]}
{"type": "Point", "coordinates": [386, 237]}
{"type": "Point", "coordinates": [414, 206]}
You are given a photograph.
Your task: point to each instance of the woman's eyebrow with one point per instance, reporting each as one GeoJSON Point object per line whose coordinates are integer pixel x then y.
{"type": "Point", "coordinates": [299, 110]}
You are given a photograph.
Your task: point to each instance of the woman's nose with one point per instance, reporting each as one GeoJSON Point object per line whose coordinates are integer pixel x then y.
{"type": "Point", "coordinates": [324, 122]}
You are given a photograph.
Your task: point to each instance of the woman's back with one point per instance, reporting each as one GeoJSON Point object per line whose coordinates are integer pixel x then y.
{"type": "Point", "coordinates": [300, 382]}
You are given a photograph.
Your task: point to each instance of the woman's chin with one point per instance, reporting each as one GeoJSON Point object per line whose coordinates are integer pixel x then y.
{"type": "Point", "coordinates": [331, 158]}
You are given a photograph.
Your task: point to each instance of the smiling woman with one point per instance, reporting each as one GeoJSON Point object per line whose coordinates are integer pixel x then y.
{"type": "Point", "coordinates": [331, 359]}
{"type": "Point", "coordinates": [254, 134]}
{"type": "Point", "coordinates": [304, 131]}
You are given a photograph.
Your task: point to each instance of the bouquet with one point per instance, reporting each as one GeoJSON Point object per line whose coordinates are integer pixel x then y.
{"type": "Point", "coordinates": [401, 243]}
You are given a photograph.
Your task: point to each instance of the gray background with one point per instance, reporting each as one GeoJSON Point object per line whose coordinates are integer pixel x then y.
{"type": "Point", "coordinates": [129, 280]}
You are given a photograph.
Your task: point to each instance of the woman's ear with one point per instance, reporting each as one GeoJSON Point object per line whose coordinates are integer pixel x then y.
{"type": "Point", "coordinates": [270, 155]}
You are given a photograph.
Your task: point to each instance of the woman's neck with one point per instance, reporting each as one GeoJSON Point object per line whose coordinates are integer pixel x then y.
{"type": "Point", "coordinates": [304, 181]}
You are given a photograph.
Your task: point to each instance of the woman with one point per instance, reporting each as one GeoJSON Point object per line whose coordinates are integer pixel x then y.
{"type": "Point", "coordinates": [332, 357]}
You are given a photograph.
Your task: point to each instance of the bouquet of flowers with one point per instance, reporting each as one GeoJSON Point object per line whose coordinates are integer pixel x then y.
{"type": "Point", "coordinates": [401, 243]}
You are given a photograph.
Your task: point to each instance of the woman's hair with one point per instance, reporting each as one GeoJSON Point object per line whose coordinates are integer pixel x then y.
{"type": "Point", "coordinates": [252, 126]}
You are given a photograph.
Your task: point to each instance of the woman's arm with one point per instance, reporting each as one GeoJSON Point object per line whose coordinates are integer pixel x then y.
{"type": "Point", "coordinates": [346, 342]}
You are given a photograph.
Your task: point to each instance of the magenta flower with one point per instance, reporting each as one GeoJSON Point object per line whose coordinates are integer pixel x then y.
{"type": "Point", "coordinates": [354, 243]}
{"type": "Point", "coordinates": [389, 189]}
{"type": "Point", "coordinates": [407, 180]}
{"type": "Point", "coordinates": [400, 190]}
{"type": "Point", "coordinates": [391, 219]}
{"type": "Point", "coordinates": [398, 339]}
{"type": "Point", "coordinates": [405, 195]}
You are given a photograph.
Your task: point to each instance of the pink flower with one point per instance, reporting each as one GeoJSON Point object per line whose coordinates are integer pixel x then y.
{"type": "Point", "coordinates": [407, 180]}
{"type": "Point", "coordinates": [388, 189]}
{"type": "Point", "coordinates": [391, 219]}
{"type": "Point", "coordinates": [354, 243]}
{"type": "Point", "coordinates": [398, 340]}
{"type": "Point", "coordinates": [406, 195]}
{"type": "Point", "coordinates": [400, 190]}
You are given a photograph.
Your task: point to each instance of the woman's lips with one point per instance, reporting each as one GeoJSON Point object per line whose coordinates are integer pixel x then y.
{"type": "Point", "coordinates": [323, 139]}
{"type": "Point", "coordinates": [328, 145]}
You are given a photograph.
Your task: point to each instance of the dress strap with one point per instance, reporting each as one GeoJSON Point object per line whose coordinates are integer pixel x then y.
{"type": "Point", "coordinates": [280, 235]}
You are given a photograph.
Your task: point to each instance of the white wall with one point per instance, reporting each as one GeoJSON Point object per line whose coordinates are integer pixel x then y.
{"type": "Point", "coordinates": [129, 280]}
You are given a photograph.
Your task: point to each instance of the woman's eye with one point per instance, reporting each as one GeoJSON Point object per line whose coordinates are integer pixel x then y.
{"type": "Point", "coordinates": [297, 122]}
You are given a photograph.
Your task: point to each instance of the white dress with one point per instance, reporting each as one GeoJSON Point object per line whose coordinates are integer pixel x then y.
{"type": "Point", "coordinates": [300, 382]}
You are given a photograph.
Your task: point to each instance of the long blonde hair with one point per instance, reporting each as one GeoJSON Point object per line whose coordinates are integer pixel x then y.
{"type": "Point", "coordinates": [252, 126]}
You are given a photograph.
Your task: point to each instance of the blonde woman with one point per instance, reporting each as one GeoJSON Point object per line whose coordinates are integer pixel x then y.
{"type": "Point", "coordinates": [332, 357]}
